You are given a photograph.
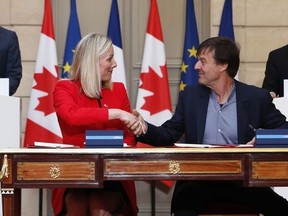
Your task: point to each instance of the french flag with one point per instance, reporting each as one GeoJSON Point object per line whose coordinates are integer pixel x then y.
{"type": "Point", "coordinates": [114, 32]}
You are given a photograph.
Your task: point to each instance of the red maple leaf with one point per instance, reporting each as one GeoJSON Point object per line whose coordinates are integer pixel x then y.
{"type": "Point", "coordinates": [45, 82]}
{"type": "Point", "coordinates": [160, 98]}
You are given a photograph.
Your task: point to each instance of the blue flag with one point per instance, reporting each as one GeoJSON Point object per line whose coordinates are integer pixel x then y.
{"type": "Point", "coordinates": [189, 76]}
{"type": "Point", "coordinates": [114, 32]}
{"type": "Point", "coordinates": [73, 37]}
{"type": "Point", "coordinates": [226, 25]}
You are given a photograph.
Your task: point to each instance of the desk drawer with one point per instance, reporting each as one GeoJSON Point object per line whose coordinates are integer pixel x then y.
{"type": "Point", "coordinates": [270, 170]}
{"type": "Point", "coordinates": [56, 171]}
{"type": "Point", "coordinates": [171, 168]}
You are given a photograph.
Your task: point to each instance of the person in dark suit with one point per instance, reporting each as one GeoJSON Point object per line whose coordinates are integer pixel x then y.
{"type": "Point", "coordinates": [10, 59]}
{"type": "Point", "coordinates": [276, 71]}
{"type": "Point", "coordinates": [218, 110]}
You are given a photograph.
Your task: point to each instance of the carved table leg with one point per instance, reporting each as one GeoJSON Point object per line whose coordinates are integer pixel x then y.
{"type": "Point", "coordinates": [11, 201]}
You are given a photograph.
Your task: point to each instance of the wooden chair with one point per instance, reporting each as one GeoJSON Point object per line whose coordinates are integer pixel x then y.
{"type": "Point", "coordinates": [226, 209]}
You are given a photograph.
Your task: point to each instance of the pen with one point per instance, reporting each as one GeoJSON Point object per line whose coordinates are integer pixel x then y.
{"type": "Point", "coordinates": [252, 128]}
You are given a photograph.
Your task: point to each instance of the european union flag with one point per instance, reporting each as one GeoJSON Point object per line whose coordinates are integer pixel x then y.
{"type": "Point", "coordinates": [189, 76]}
{"type": "Point", "coordinates": [226, 25]}
{"type": "Point", "coordinates": [73, 37]}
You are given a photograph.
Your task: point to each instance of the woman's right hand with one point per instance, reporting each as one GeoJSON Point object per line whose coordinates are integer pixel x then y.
{"type": "Point", "coordinates": [127, 117]}
{"type": "Point", "coordinates": [121, 115]}
{"type": "Point", "coordinates": [133, 122]}
{"type": "Point", "coordinates": [139, 127]}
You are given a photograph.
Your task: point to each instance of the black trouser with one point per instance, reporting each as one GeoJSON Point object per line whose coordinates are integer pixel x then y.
{"type": "Point", "coordinates": [192, 196]}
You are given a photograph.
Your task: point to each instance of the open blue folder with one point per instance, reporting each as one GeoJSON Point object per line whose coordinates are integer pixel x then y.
{"type": "Point", "coordinates": [104, 139]}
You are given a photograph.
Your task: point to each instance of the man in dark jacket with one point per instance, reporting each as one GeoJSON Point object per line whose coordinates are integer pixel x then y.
{"type": "Point", "coordinates": [10, 59]}
{"type": "Point", "coordinates": [276, 71]}
{"type": "Point", "coordinates": [218, 110]}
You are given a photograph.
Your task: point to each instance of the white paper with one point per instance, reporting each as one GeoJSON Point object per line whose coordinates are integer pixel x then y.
{"type": "Point", "coordinates": [61, 145]}
{"type": "Point", "coordinates": [53, 145]}
{"type": "Point", "coordinates": [285, 87]}
{"type": "Point", "coordinates": [188, 145]}
{"type": "Point", "coordinates": [4, 86]}
{"type": "Point", "coordinates": [281, 104]}
{"type": "Point", "coordinates": [10, 122]}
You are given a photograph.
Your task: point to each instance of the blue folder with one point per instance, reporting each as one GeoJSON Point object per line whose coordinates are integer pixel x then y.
{"type": "Point", "coordinates": [104, 139]}
{"type": "Point", "coordinates": [272, 138]}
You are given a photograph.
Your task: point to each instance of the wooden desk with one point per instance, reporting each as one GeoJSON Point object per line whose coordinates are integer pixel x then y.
{"type": "Point", "coordinates": [51, 168]}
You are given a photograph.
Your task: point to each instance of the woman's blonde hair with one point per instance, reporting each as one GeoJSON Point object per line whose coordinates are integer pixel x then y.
{"type": "Point", "coordinates": [85, 66]}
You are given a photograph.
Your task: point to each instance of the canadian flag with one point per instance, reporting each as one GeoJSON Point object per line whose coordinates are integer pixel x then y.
{"type": "Point", "coordinates": [42, 124]}
{"type": "Point", "coordinates": [153, 101]}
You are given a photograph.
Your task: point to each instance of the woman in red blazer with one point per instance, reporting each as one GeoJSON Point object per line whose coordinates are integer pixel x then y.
{"type": "Point", "coordinates": [90, 101]}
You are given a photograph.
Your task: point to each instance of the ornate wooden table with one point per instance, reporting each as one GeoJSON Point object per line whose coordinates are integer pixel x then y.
{"type": "Point", "coordinates": [51, 168]}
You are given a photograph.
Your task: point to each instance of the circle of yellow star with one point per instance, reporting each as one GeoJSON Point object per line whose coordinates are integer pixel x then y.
{"type": "Point", "coordinates": [182, 86]}
{"type": "Point", "coordinates": [66, 67]}
{"type": "Point", "coordinates": [192, 52]}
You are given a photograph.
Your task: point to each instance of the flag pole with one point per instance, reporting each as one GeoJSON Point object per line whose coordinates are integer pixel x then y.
{"type": "Point", "coordinates": [41, 114]}
{"type": "Point", "coordinates": [154, 82]}
{"type": "Point", "coordinates": [40, 201]}
{"type": "Point", "coordinates": [153, 199]}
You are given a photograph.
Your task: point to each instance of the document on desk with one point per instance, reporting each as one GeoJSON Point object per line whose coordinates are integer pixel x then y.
{"type": "Point", "coordinates": [53, 145]}
{"type": "Point", "coordinates": [189, 145]}
{"type": "Point", "coordinates": [60, 145]}
{"type": "Point", "coordinates": [285, 84]}
{"type": "Point", "coordinates": [4, 86]}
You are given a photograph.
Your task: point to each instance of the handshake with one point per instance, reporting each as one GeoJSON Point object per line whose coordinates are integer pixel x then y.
{"type": "Point", "coordinates": [134, 122]}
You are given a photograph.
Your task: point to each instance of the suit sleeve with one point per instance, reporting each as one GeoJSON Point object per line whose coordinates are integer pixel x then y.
{"type": "Point", "coordinates": [272, 117]}
{"type": "Point", "coordinates": [272, 78]}
{"type": "Point", "coordinates": [13, 67]}
{"type": "Point", "coordinates": [169, 132]}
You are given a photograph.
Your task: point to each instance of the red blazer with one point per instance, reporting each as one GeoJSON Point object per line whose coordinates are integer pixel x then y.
{"type": "Point", "coordinates": [77, 113]}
